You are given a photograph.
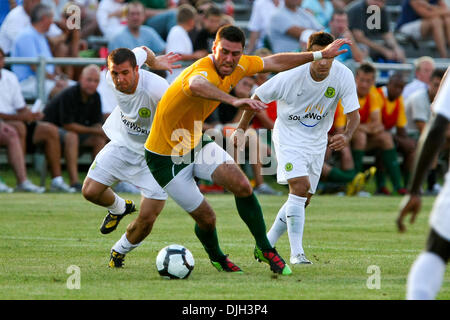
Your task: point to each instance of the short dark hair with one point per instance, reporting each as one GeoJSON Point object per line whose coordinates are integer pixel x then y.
{"type": "Point", "coordinates": [366, 67]}
{"type": "Point", "coordinates": [231, 33]}
{"type": "Point", "coordinates": [213, 11]}
{"type": "Point", "coordinates": [320, 38]}
{"type": "Point", "coordinates": [121, 55]}
{"type": "Point", "coordinates": [185, 13]}
{"type": "Point", "coordinates": [338, 12]}
{"type": "Point", "coordinates": [438, 73]}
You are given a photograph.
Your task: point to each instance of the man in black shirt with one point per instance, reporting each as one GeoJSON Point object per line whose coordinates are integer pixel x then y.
{"type": "Point", "coordinates": [207, 35]}
{"type": "Point", "coordinates": [78, 114]}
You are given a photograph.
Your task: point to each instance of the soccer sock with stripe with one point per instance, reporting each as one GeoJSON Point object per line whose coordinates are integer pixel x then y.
{"type": "Point", "coordinates": [279, 226]}
{"type": "Point", "coordinates": [210, 242]}
{"type": "Point", "coordinates": [251, 213]}
{"type": "Point", "coordinates": [295, 220]}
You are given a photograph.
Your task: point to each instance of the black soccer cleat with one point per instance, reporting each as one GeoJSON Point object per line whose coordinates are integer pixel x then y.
{"type": "Point", "coordinates": [111, 221]}
{"type": "Point", "coordinates": [271, 257]}
{"type": "Point", "coordinates": [226, 265]}
{"type": "Point", "coordinates": [116, 259]}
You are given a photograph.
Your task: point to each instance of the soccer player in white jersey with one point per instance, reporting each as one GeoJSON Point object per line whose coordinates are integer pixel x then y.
{"type": "Point", "coordinates": [307, 98]}
{"type": "Point", "coordinates": [138, 93]}
{"type": "Point", "coordinates": [427, 273]}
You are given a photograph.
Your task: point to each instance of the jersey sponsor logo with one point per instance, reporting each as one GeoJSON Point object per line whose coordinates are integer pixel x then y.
{"type": "Point", "coordinates": [313, 115]}
{"type": "Point", "coordinates": [330, 92]}
{"type": "Point", "coordinates": [144, 112]}
{"type": "Point", "coordinates": [134, 128]}
{"type": "Point", "coordinates": [288, 167]}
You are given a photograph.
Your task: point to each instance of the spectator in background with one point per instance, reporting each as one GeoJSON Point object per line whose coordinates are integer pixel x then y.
{"type": "Point", "coordinates": [88, 19]}
{"type": "Point", "coordinates": [424, 68]}
{"type": "Point", "coordinates": [338, 27]}
{"type": "Point", "coordinates": [31, 42]}
{"type": "Point", "coordinates": [10, 139]}
{"type": "Point", "coordinates": [367, 31]}
{"type": "Point", "coordinates": [30, 129]}
{"type": "Point", "coordinates": [394, 120]}
{"type": "Point", "coordinates": [178, 40]}
{"type": "Point", "coordinates": [135, 34]}
{"type": "Point", "coordinates": [259, 23]}
{"type": "Point", "coordinates": [77, 112]}
{"type": "Point", "coordinates": [160, 16]}
{"type": "Point", "coordinates": [287, 25]}
{"type": "Point", "coordinates": [111, 17]}
{"type": "Point", "coordinates": [321, 9]}
{"type": "Point", "coordinates": [211, 23]}
{"type": "Point", "coordinates": [420, 19]}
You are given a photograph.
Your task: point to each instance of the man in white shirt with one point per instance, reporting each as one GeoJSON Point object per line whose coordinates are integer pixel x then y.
{"type": "Point", "coordinates": [307, 98]}
{"type": "Point", "coordinates": [138, 93]}
{"type": "Point", "coordinates": [427, 273]}
{"type": "Point", "coordinates": [424, 68]}
{"type": "Point", "coordinates": [110, 17]}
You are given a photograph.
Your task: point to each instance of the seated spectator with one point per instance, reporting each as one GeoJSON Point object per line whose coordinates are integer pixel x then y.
{"type": "Point", "coordinates": [111, 17]}
{"type": "Point", "coordinates": [178, 40]}
{"type": "Point", "coordinates": [160, 16]}
{"type": "Point", "coordinates": [259, 23]}
{"type": "Point", "coordinates": [288, 23]}
{"type": "Point", "coordinates": [77, 112]}
{"type": "Point", "coordinates": [394, 119]}
{"type": "Point", "coordinates": [321, 9]}
{"type": "Point", "coordinates": [88, 19]}
{"type": "Point", "coordinates": [418, 109]}
{"type": "Point", "coordinates": [31, 42]}
{"type": "Point", "coordinates": [30, 129]}
{"type": "Point", "coordinates": [16, 158]}
{"type": "Point", "coordinates": [135, 34]}
{"type": "Point", "coordinates": [424, 67]}
{"type": "Point", "coordinates": [421, 19]}
{"type": "Point", "coordinates": [367, 34]}
{"type": "Point", "coordinates": [207, 35]}
{"type": "Point", "coordinates": [338, 27]}
{"type": "Point", "coordinates": [370, 133]}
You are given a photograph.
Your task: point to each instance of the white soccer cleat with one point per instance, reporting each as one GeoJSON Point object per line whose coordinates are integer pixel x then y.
{"type": "Point", "coordinates": [28, 186]}
{"type": "Point", "coordinates": [4, 188]}
{"type": "Point", "coordinates": [58, 185]}
{"type": "Point", "coordinates": [300, 259]}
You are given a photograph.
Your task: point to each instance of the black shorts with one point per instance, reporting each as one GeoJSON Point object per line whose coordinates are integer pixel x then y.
{"type": "Point", "coordinates": [31, 128]}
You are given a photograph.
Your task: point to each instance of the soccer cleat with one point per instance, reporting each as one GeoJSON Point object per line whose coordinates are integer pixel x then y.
{"type": "Point", "coordinates": [300, 259]}
{"type": "Point", "coordinates": [116, 260]}
{"type": "Point", "coordinates": [28, 186]}
{"type": "Point", "coordinates": [58, 185]}
{"type": "Point", "coordinates": [271, 257]}
{"type": "Point", "coordinates": [111, 221]}
{"type": "Point", "coordinates": [226, 265]}
{"type": "Point", "coordinates": [356, 185]}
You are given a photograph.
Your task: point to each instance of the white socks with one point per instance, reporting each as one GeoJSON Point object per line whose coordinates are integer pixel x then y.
{"type": "Point", "coordinates": [291, 217]}
{"type": "Point", "coordinates": [118, 207]}
{"type": "Point", "coordinates": [425, 277]}
{"type": "Point", "coordinates": [123, 246]}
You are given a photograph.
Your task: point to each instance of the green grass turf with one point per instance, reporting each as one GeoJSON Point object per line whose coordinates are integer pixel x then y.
{"type": "Point", "coordinates": [42, 235]}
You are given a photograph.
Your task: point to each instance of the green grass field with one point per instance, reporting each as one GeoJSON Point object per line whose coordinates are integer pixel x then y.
{"type": "Point", "coordinates": [41, 236]}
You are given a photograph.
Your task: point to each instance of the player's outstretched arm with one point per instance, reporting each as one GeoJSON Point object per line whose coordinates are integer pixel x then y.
{"type": "Point", "coordinates": [163, 62]}
{"type": "Point", "coordinates": [288, 60]}
{"type": "Point", "coordinates": [429, 145]}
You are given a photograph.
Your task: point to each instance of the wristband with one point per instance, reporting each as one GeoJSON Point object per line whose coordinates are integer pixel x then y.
{"type": "Point", "coordinates": [317, 55]}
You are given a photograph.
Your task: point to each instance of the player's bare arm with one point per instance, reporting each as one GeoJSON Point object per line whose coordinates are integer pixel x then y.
{"type": "Point", "coordinates": [288, 60]}
{"type": "Point", "coordinates": [163, 62]}
{"type": "Point", "coordinates": [201, 87]}
{"type": "Point", "coordinates": [429, 145]}
{"type": "Point", "coordinates": [340, 140]}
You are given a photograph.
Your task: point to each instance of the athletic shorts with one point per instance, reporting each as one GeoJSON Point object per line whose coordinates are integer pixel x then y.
{"type": "Point", "coordinates": [177, 176]}
{"type": "Point", "coordinates": [294, 163]}
{"type": "Point", "coordinates": [412, 29]}
{"type": "Point", "coordinates": [440, 214]}
{"type": "Point", "coordinates": [118, 163]}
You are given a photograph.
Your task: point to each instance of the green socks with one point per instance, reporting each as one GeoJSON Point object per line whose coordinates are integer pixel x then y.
{"type": "Point", "coordinates": [358, 156]}
{"type": "Point", "coordinates": [250, 211]}
{"type": "Point", "coordinates": [338, 175]}
{"type": "Point", "coordinates": [210, 242]}
{"type": "Point", "coordinates": [392, 167]}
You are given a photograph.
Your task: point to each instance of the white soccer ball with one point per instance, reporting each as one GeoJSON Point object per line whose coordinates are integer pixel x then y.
{"type": "Point", "coordinates": [175, 262]}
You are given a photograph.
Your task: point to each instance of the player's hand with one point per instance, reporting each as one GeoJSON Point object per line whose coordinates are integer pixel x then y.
{"type": "Point", "coordinates": [249, 104]}
{"type": "Point", "coordinates": [238, 139]}
{"type": "Point", "coordinates": [338, 142]}
{"type": "Point", "coordinates": [332, 50]}
{"type": "Point", "coordinates": [166, 62]}
{"type": "Point", "coordinates": [410, 205]}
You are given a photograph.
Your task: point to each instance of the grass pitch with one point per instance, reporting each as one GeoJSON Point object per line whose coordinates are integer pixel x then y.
{"type": "Point", "coordinates": [351, 242]}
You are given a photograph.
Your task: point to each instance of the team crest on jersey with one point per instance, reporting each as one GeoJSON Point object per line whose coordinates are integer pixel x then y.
{"type": "Point", "coordinates": [288, 167]}
{"type": "Point", "coordinates": [144, 112]}
{"type": "Point", "coordinates": [330, 93]}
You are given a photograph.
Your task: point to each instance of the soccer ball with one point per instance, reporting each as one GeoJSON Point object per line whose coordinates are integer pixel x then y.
{"type": "Point", "coordinates": [175, 262]}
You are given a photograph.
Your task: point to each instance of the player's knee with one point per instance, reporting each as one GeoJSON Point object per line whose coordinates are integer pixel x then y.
{"type": "Point", "coordinates": [244, 189]}
{"type": "Point", "coordinates": [88, 192]}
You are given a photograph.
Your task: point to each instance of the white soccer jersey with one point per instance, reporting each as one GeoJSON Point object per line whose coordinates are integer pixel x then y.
{"type": "Point", "coordinates": [130, 122]}
{"type": "Point", "coordinates": [305, 109]}
{"type": "Point", "coordinates": [442, 100]}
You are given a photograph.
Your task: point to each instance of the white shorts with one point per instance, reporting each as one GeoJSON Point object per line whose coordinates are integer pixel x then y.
{"type": "Point", "coordinates": [294, 163]}
{"type": "Point", "coordinates": [412, 29]}
{"type": "Point", "coordinates": [118, 163]}
{"type": "Point", "coordinates": [183, 188]}
{"type": "Point", "coordinates": [440, 215]}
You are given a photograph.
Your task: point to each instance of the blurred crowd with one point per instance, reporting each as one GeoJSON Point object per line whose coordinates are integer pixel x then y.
{"type": "Point", "coordinates": [78, 101]}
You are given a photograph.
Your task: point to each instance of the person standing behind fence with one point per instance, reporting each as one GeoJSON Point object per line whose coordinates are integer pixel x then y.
{"type": "Point", "coordinates": [77, 112]}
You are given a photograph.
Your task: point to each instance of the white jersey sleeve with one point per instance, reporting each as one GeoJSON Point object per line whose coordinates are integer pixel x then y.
{"type": "Point", "coordinates": [441, 103]}
{"type": "Point", "coordinates": [141, 56]}
{"type": "Point", "coordinates": [276, 88]}
{"type": "Point", "coordinates": [349, 97]}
